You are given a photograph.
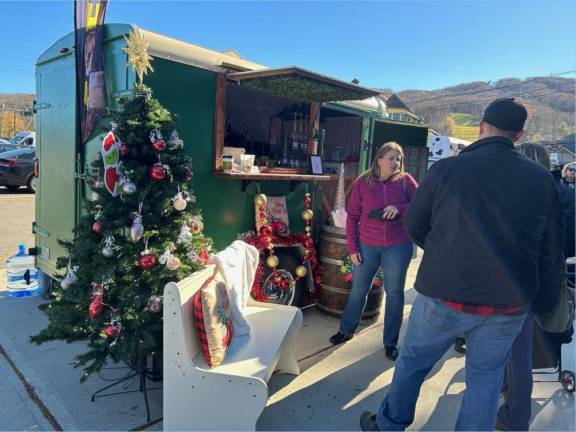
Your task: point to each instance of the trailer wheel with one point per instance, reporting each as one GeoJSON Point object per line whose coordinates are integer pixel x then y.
{"type": "Point", "coordinates": [294, 295]}
{"type": "Point", "coordinates": [567, 380]}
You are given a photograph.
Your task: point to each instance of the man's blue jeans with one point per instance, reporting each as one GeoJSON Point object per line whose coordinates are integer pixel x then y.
{"type": "Point", "coordinates": [394, 260]}
{"type": "Point", "coordinates": [432, 328]}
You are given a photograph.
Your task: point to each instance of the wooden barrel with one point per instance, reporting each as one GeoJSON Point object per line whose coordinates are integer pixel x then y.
{"type": "Point", "coordinates": [334, 289]}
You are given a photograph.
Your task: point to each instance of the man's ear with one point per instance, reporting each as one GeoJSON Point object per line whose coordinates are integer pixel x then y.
{"type": "Point", "coordinates": [482, 127]}
{"type": "Point", "coordinates": [518, 135]}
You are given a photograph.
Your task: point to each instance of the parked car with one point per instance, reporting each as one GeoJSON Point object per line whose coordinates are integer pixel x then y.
{"type": "Point", "coordinates": [17, 169]}
{"type": "Point", "coordinates": [7, 146]}
{"type": "Point", "coordinates": [24, 139]}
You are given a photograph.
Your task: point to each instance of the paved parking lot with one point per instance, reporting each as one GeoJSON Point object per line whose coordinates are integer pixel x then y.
{"type": "Point", "coordinates": [16, 217]}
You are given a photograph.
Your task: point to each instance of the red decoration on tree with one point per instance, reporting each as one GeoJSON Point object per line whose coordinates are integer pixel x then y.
{"type": "Point", "coordinates": [108, 141]}
{"type": "Point", "coordinates": [96, 227]}
{"type": "Point", "coordinates": [189, 174]}
{"type": "Point", "coordinates": [157, 172]}
{"type": "Point", "coordinates": [159, 145]}
{"type": "Point", "coordinates": [111, 330]}
{"type": "Point", "coordinates": [95, 307]}
{"type": "Point", "coordinates": [203, 256]}
{"type": "Point", "coordinates": [147, 261]}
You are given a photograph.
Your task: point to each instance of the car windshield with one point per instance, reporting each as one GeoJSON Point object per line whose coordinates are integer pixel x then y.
{"type": "Point", "coordinates": [17, 138]}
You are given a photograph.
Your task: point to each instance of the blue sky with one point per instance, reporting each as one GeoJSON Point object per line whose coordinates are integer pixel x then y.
{"type": "Point", "coordinates": [396, 44]}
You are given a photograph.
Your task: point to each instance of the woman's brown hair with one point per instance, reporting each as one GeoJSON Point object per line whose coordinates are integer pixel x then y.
{"type": "Point", "coordinates": [374, 171]}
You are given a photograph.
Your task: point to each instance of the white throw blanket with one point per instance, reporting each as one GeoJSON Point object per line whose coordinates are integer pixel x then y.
{"type": "Point", "coordinates": [237, 265]}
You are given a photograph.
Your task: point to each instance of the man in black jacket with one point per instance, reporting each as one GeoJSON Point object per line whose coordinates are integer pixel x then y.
{"type": "Point", "coordinates": [491, 226]}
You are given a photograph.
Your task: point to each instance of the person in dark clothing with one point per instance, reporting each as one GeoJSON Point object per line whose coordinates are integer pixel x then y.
{"type": "Point", "coordinates": [490, 224]}
{"type": "Point", "coordinates": [566, 185]}
{"type": "Point", "coordinates": [568, 175]}
{"type": "Point", "coordinates": [516, 411]}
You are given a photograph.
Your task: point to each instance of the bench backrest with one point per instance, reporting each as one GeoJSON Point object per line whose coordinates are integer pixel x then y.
{"type": "Point", "coordinates": [186, 289]}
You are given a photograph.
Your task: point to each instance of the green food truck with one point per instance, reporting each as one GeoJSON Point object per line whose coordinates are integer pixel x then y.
{"type": "Point", "coordinates": [228, 108]}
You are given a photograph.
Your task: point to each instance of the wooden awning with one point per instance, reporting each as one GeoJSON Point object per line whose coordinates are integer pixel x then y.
{"type": "Point", "coordinates": [300, 85]}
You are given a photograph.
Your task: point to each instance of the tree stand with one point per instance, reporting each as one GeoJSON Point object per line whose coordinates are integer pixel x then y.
{"type": "Point", "coordinates": [129, 378]}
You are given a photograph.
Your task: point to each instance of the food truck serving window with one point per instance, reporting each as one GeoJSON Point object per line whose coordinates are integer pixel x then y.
{"type": "Point", "coordinates": [274, 114]}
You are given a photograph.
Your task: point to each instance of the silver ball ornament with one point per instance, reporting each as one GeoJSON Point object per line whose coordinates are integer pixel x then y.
{"type": "Point", "coordinates": [94, 196]}
{"type": "Point", "coordinates": [107, 251]}
{"type": "Point", "coordinates": [128, 188]}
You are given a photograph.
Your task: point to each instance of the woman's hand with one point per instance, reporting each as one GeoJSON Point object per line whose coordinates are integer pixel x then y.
{"type": "Point", "coordinates": [356, 258]}
{"type": "Point", "coordinates": [390, 212]}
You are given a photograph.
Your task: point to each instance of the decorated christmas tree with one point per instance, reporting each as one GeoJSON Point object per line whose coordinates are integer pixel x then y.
{"type": "Point", "coordinates": [140, 230]}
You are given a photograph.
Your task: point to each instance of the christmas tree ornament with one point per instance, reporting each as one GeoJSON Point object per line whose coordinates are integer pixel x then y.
{"type": "Point", "coordinates": [138, 57]}
{"type": "Point", "coordinates": [174, 142]}
{"type": "Point", "coordinates": [272, 261]}
{"type": "Point", "coordinates": [94, 196]}
{"type": "Point", "coordinates": [70, 277]}
{"type": "Point", "coordinates": [260, 199]}
{"type": "Point", "coordinates": [157, 172]}
{"type": "Point", "coordinates": [173, 263]}
{"type": "Point", "coordinates": [154, 304]}
{"type": "Point", "coordinates": [188, 175]}
{"type": "Point", "coordinates": [196, 224]}
{"type": "Point", "coordinates": [109, 247]}
{"type": "Point", "coordinates": [185, 234]}
{"type": "Point", "coordinates": [95, 308]}
{"type": "Point", "coordinates": [158, 144]}
{"type": "Point", "coordinates": [124, 149]}
{"type": "Point", "coordinates": [111, 160]}
{"type": "Point", "coordinates": [137, 229]}
{"type": "Point", "coordinates": [203, 256]}
{"type": "Point", "coordinates": [97, 226]}
{"type": "Point", "coordinates": [164, 257]}
{"type": "Point", "coordinates": [178, 201]}
{"type": "Point", "coordinates": [190, 198]}
{"type": "Point", "coordinates": [147, 259]}
{"type": "Point", "coordinates": [307, 214]}
{"type": "Point", "coordinates": [113, 127]}
{"type": "Point", "coordinates": [300, 271]}
{"type": "Point", "coordinates": [112, 330]}
{"type": "Point", "coordinates": [128, 187]}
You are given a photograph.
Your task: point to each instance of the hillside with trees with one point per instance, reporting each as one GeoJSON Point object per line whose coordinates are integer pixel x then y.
{"type": "Point", "coordinates": [16, 113]}
{"type": "Point", "coordinates": [550, 102]}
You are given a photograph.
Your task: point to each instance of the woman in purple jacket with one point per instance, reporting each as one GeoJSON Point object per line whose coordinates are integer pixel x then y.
{"type": "Point", "coordinates": [376, 238]}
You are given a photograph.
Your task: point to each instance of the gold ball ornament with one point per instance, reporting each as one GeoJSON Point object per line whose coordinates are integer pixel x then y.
{"type": "Point", "coordinates": [173, 263]}
{"type": "Point", "coordinates": [307, 228]}
{"type": "Point", "coordinates": [179, 204]}
{"type": "Point", "coordinates": [300, 271]}
{"type": "Point", "coordinates": [272, 261]}
{"type": "Point", "coordinates": [307, 214]}
{"type": "Point", "coordinates": [260, 199]}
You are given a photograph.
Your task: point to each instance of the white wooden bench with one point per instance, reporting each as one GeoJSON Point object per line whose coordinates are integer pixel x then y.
{"type": "Point", "coordinates": [232, 395]}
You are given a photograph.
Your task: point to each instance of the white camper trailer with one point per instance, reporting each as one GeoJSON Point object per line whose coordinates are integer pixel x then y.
{"type": "Point", "coordinates": [440, 146]}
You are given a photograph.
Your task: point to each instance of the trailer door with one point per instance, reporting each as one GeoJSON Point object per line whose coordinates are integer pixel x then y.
{"type": "Point", "coordinates": [55, 149]}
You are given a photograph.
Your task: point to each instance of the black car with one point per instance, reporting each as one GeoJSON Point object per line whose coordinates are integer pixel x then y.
{"type": "Point", "coordinates": [17, 169]}
{"type": "Point", "coordinates": [7, 146]}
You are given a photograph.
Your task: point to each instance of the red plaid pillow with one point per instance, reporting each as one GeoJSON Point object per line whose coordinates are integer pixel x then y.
{"type": "Point", "coordinates": [213, 320]}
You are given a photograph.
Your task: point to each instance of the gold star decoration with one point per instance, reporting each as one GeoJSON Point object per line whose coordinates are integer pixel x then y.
{"type": "Point", "coordinates": [137, 50]}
